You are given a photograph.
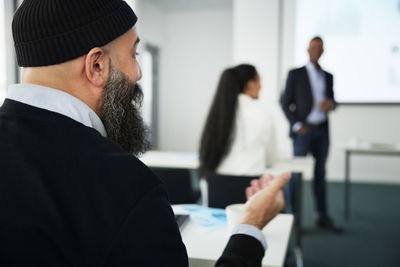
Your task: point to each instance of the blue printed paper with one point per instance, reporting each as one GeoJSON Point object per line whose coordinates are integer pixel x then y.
{"type": "Point", "coordinates": [205, 217]}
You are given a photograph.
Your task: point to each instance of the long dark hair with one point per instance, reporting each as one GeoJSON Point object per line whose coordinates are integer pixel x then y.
{"type": "Point", "coordinates": [218, 134]}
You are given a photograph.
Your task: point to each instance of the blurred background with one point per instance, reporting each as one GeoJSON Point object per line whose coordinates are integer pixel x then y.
{"type": "Point", "coordinates": [186, 44]}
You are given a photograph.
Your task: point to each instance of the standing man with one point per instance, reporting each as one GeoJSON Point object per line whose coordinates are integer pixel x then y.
{"type": "Point", "coordinates": [72, 191]}
{"type": "Point", "coordinates": [306, 101]}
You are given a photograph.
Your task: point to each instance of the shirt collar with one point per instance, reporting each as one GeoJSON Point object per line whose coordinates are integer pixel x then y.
{"type": "Point", "coordinates": [56, 101]}
{"type": "Point", "coordinates": [311, 67]}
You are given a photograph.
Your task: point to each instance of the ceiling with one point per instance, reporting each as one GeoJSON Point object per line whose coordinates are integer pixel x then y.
{"type": "Point", "coordinates": [174, 5]}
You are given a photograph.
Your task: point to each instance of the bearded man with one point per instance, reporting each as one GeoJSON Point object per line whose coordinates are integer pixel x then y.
{"type": "Point", "coordinates": [72, 192]}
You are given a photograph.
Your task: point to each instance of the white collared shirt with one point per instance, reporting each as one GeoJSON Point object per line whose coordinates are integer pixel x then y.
{"type": "Point", "coordinates": [318, 88]}
{"type": "Point", "coordinates": [56, 101]}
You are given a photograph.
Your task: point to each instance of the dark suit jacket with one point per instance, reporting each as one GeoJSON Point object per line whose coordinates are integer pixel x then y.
{"type": "Point", "coordinates": [297, 99]}
{"type": "Point", "coordinates": [70, 197]}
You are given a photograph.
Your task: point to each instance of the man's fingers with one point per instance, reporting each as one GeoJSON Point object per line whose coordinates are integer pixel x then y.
{"type": "Point", "coordinates": [267, 177]}
{"type": "Point", "coordinates": [255, 183]}
{"type": "Point", "coordinates": [280, 200]}
{"type": "Point", "coordinates": [249, 192]}
{"type": "Point", "coordinates": [248, 195]}
{"type": "Point", "coordinates": [265, 180]}
{"type": "Point", "coordinates": [277, 183]}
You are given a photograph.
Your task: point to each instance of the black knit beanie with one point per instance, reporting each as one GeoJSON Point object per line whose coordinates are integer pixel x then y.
{"type": "Point", "coordinates": [48, 32]}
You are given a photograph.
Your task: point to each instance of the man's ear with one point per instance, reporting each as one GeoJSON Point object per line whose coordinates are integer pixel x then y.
{"type": "Point", "coordinates": [97, 67]}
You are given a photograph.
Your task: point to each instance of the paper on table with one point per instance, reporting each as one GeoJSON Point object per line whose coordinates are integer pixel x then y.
{"type": "Point", "coordinates": [205, 218]}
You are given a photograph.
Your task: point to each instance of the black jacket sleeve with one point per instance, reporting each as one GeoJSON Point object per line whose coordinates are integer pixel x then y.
{"type": "Point", "coordinates": [288, 99]}
{"type": "Point", "coordinates": [329, 89]}
{"type": "Point", "coordinates": [241, 251]}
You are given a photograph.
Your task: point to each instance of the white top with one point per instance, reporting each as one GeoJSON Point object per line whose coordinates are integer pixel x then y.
{"type": "Point", "coordinates": [56, 101]}
{"type": "Point", "coordinates": [253, 147]}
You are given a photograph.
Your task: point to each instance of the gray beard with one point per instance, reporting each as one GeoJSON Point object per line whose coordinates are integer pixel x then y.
{"type": "Point", "coordinates": [121, 103]}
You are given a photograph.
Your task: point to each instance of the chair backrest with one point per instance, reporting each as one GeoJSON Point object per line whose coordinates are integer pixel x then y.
{"type": "Point", "coordinates": [179, 185]}
{"type": "Point", "coordinates": [224, 190]}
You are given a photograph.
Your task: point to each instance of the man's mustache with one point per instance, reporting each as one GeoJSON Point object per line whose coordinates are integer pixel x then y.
{"type": "Point", "coordinates": [137, 96]}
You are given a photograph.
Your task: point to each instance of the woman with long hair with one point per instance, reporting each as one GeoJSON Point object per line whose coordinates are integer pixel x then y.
{"type": "Point", "coordinates": [237, 137]}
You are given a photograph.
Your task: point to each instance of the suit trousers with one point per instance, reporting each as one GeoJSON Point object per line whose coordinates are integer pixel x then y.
{"type": "Point", "coordinates": [316, 142]}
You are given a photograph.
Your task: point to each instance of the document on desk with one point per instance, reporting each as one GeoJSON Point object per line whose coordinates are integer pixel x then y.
{"type": "Point", "coordinates": [204, 218]}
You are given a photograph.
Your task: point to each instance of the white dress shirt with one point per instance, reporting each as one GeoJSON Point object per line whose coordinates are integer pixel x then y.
{"type": "Point", "coordinates": [252, 147]}
{"type": "Point", "coordinates": [56, 101]}
{"type": "Point", "coordinates": [318, 90]}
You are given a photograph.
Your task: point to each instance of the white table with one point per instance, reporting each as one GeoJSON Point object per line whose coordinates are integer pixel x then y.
{"type": "Point", "coordinates": [170, 159]}
{"type": "Point", "coordinates": [204, 248]}
{"type": "Point", "coordinates": [190, 160]}
{"type": "Point", "coordinates": [363, 149]}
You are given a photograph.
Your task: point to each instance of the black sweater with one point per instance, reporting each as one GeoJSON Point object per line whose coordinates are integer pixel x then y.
{"type": "Point", "coordinates": [70, 197]}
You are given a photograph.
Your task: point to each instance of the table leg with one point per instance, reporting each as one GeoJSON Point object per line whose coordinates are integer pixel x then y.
{"type": "Point", "coordinates": [298, 208]}
{"type": "Point", "coordinates": [347, 186]}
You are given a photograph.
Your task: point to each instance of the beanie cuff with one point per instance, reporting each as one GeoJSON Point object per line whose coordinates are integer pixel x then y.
{"type": "Point", "coordinates": [77, 42]}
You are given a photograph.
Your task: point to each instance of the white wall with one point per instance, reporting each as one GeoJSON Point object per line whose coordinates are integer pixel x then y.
{"type": "Point", "coordinates": [256, 40]}
{"type": "Point", "coordinates": [9, 65]}
{"type": "Point", "coordinates": [197, 47]}
{"type": "Point", "coordinates": [150, 25]}
{"type": "Point", "coordinates": [368, 123]}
